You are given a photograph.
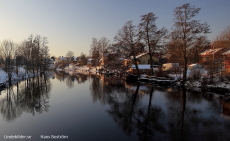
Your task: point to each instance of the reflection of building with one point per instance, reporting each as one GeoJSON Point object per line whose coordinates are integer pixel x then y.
{"type": "Point", "coordinates": [141, 90]}
{"type": "Point", "coordinates": [226, 110]}
{"type": "Point", "coordinates": [111, 80]}
{"type": "Point", "coordinates": [49, 74]}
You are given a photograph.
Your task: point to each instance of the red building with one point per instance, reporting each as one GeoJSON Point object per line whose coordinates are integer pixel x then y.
{"type": "Point", "coordinates": [213, 55]}
{"type": "Point", "coordinates": [227, 60]}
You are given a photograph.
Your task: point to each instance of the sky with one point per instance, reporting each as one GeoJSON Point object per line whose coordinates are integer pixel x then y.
{"type": "Point", "coordinates": [70, 25]}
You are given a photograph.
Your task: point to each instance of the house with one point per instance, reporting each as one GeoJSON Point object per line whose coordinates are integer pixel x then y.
{"type": "Point", "coordinates": [143, 61]}
{"type": "Point", "coordinates": [74, 60]}
{"type": "Point", "coordinates": [50, 64]}
{"type": "Point", "coordinates": [195, 66]}
{"type": "Point", "coordinates": [227, 60]}
{"type": "Point", "coordinates": [90, 62]}
{"type": "Point", "coordinates": [144, 58]}
{"type": "Point", "coordinates": [60, 59]}
{"type": "Point", "coordinates": [209, 55]}
{"type": "Point", "coordinates": [170, 66]}
{"type": "Point", "coordinates": [143, 69]}
{"type": "Point", "coordinates": [60, 62]}
{"type": "Point", "coordinates": [77, 61]}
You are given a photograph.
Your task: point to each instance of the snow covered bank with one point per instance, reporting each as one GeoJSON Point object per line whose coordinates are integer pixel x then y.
{"type": "Point", "coordinates": [16, 77]}
{"type": "Point", "coordinates": [77, 69]}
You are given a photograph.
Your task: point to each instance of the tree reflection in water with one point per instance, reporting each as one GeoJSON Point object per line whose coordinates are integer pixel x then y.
{"type": "Point", "coordinates": [187, 115]}
{"type": "Point", "coordinates": [70, 77]}
{"type": "Point", "coordinates": [126, 108]}
{"type": "Point", "coordinates": [148, 121]}
{"type": "Point", "coordinates": [188, 122]}
{"type": "Point", "coordinates": [103, 88]}
{"type": "Point", "coordinates": [181, 114]}
{"type": "Point", "coordinates": [30, 96]}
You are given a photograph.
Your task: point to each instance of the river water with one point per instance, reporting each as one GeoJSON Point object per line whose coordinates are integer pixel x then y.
{"type": "Point", "coordinates": [80, 107]}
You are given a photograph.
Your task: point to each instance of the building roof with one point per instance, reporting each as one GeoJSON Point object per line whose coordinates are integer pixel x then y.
{"type": "Point", "coordinates": [140, 55]}
{"type": "Point", "coordinates": [61, 58]}
{"type": "Point", "coordinates": [227, 52]}
{"type": "Point", "coordinates": [210, 51]}
{"type": "Point", "coordinates": [75, 58]}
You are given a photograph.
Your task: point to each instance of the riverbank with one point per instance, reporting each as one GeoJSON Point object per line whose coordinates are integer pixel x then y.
{"type": "Point", "coordinates": [15, 78]}
{"type": "Point", "coordinates": [205, 83]}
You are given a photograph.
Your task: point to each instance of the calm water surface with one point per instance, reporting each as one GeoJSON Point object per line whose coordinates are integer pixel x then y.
{"type": "Point", "coordinates": [96, 108]}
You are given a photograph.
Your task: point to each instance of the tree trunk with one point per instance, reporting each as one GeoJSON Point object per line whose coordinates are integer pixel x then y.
{"type": "Point", "coordinates": [151, 61]}
{"type": "Point", "coordinates": [185, 72]}
{"type": "Point", "coordinates": [136, 65]}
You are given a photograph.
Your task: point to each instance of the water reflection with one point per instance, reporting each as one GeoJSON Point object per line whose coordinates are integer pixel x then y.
{"type": "Point", "coordinates": [30, 96]}
{"type": "Point", "coordinates": [187, 116]}
{"type": "Point", "coordinates": [70, 77]}
{"type": "Point", "coordinates": [103, 88]}
{"type": "Point", "coordinates": [141, 112]}
{"type": "Point", "coordinates": [149, 122]}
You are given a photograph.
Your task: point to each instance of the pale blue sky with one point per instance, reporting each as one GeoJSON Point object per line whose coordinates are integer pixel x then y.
{"type": "Point", "coordinates": [70, 25]}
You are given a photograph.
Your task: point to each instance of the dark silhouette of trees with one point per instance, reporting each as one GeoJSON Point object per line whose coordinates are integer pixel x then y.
{"type": "Point", "coordinates": [7, 51]}
{"type": "Point", "coordinates": [69, 56]}
{"type": "Point", "coordinates": [151, 35]}
{"type": "Point", "coordinates": [128, 38]}
{"type": "Point", "coordinates": [224, 37]}
{"type": "Point", "coordinates": [186, 31]}
{"type": "Point", "coordinates": [84, 59]}
{"type": "Point", "coordinates": [94, 52]}
{"type": "Point", "coordinates": [200, 45]}
{"type": "Point", "coordinates": [30, 96]}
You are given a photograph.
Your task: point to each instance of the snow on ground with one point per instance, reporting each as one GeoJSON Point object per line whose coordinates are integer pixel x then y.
{"type": "Point", "coordinates": [3, 76]}
{"type": "Point", "coordinates": [176, 77]}
{"type": "Point", "coordinates": [77, 69]}
{"type": "Point", "coordinates": [16, 77]}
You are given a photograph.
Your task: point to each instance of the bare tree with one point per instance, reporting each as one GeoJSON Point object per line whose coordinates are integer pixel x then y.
{"type": "Point", "coordinates": [225, 35]}
{"type": "Point", "coordinates": [103, 45]}
{"type": "Point", "coordinates": [69, 55]}
{"type": "Point", "coordinates": [83, 58]}
{"type": "Point", "coordinates": [42, 50]}
{"type": "Point", "coordinates": [25, 52]}
{"type": "Point", "coordinates": [128, 38]}
{"type": "Point", "coordinates": [94, 52]}
{"type": "Point", "coordinates": [200, 45]}
{"type": "Point", "coordinates": [33, 53]}
{"type": "Point", "coordinates": [151, 35]}
{"type": "Point", "coordinates": [222, 40]}
{"type": "Point", "coordinates": [186, 31]}
{"type": "Point", "coordinates": [7, 49]}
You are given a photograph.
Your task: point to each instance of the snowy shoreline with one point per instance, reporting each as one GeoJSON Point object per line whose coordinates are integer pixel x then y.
{"type": "Point", "coordinates": [224, 87]}
{"type": "Point", "coordinates": [4, 80]}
